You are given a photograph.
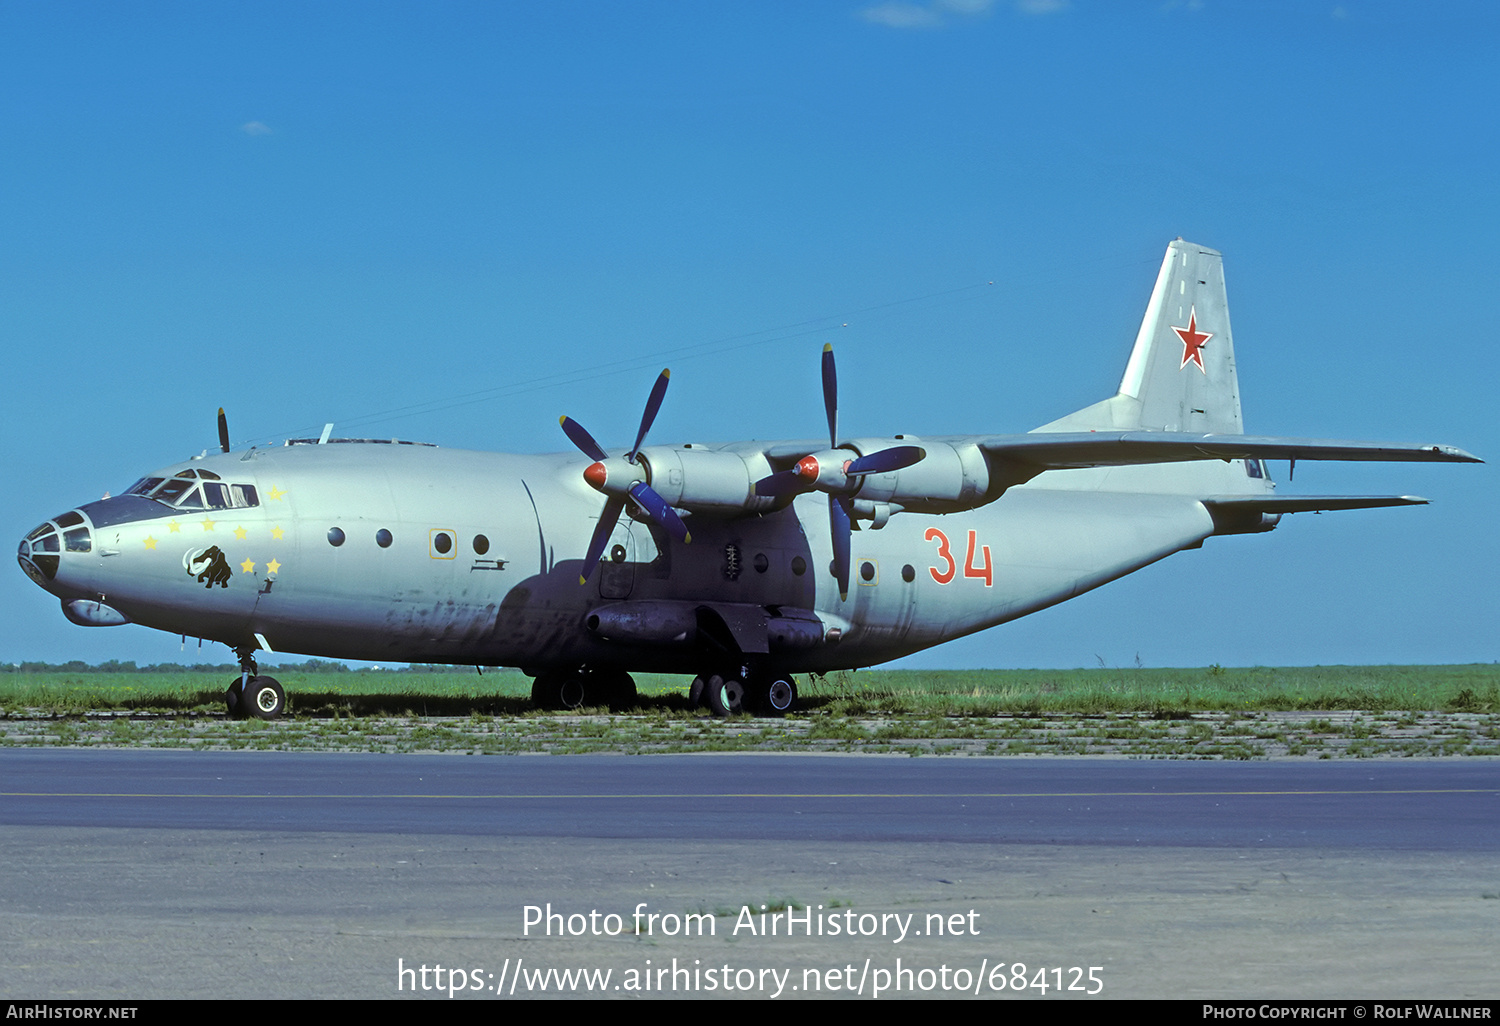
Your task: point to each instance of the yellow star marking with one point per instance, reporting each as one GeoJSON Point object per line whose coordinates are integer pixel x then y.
{"type": "Point", "coordinates": [277, 493]}
{"type": "Point", "coordinates": [248, 566]}
{"type": "Point", "coordinates": [273, 567]}
{"type": "Point", "coordinates": [276, 533]}
{"type": "Point", "coordinates": [174, 526]}
{"type": "Point", "coordinates": [150, 542]}
{"type": "Point", "coordinates": [240, 532]}
{"type": "Point", "coordinates": [208, 525]}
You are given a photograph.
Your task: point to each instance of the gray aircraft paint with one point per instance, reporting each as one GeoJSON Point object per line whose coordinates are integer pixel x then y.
{"type": "Point", "coordinates": [982, 530]}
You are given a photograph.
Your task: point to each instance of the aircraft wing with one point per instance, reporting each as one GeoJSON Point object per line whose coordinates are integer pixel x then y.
{"type": "Point", "coordinates": [1074, 449]}
{"type": "Point", "coordinates": [1307, 503]}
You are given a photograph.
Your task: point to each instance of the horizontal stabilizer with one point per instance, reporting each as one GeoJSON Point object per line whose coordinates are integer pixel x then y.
{"type": "Point", "coordinates": [1276, 504]}
{"type": "Point", "coordinates": [1075, 449]}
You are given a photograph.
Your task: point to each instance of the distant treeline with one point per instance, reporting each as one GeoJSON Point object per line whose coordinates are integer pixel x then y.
{"type": "Point", "coordinates": [129, 666]}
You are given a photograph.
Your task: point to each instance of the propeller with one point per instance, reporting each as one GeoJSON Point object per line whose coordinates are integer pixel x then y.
{"type": "Point", "coordinates": [623, 478]}
{"type": "Point", "coordinates": [832, 471]}
{"type": "Point", "coordinates": [223, 430]}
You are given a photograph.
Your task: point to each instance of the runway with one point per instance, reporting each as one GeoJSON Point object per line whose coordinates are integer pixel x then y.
{"type": "Point", "coordinates": [137, 874]}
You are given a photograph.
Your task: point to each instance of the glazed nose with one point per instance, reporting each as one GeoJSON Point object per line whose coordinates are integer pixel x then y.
{"type": "Point", "coordinates": [40, 552]}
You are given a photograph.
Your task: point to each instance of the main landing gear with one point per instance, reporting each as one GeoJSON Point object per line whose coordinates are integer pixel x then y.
{"type": "Point", "coordinates": [252, 696]}
{"type": "Point", "coordinates": [733, 691]}
{"type": "Point", "coordinates": [726, 692]}
{"type": "Point", "coordinates": [580, 688]}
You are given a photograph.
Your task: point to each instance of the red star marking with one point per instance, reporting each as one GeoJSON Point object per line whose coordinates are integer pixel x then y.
{"type": "Point", "coordinates": [1193, 341]}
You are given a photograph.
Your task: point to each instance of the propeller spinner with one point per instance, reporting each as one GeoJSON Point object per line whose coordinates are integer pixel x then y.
{"type": "Point", "coordinates": [832, 471]}
{"type": "Point", "coordinates": [621, 478]}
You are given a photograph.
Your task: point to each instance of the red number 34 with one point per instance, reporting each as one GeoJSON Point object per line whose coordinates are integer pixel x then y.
{"type": "Point", "coordinates": [985, 573]}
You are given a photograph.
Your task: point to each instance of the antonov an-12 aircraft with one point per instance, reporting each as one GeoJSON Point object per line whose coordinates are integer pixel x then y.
{"type": "Point", "coordinates": [742, 563]}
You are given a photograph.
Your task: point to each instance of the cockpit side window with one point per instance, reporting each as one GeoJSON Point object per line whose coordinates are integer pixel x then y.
{"type": "Point", "coordinates": [196, 489]}
{"type": "Point", "coordinates": [192, 499]}
{"type": "Point", "coordinates": [172, 491]}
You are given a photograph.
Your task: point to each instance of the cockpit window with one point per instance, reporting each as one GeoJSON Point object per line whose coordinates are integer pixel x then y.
{"type": "Point", "coordinates": [172, 491]}
{"type": "Point", "coordinates": [186, 491]}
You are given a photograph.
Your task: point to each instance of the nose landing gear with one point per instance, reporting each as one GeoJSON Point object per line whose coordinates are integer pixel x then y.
{"type": "Point", "coordinates": [253, 696]}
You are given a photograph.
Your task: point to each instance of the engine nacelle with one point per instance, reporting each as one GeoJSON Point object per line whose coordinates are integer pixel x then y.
{"type": "Point", "coordinates": [949, 479]}
{"type": "Point", "coordinates": [708, 481]}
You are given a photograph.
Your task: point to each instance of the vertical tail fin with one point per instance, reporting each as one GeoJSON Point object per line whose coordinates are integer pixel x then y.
{"type": "Point", "coordinates": [1181, 374]}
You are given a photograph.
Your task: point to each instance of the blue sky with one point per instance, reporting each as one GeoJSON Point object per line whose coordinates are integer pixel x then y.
{"type": "Point", "coordinates": [455, 222]}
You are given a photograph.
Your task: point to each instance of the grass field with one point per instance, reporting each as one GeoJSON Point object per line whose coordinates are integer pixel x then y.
{"type": "Point", "coordinates": [1219, 713]}
{"type": "Point", "coordinates": [319, 693]}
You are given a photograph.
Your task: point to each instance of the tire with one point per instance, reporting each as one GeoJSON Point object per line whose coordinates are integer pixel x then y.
{"type": "Point", "coordinates": [232, 701]}
{"type": "Point", "coordinates": [619, 690]}
{"type": "Point", "coordinates": [559, 691]}
{"type": "Point", "coordinates": [725, 695]}
{"type": "Point", "coordinates": [780, 697]}
{"type": "Point", "coordinates": [264, 698]}
{"type": "Point", "coordinates": [572, 691]}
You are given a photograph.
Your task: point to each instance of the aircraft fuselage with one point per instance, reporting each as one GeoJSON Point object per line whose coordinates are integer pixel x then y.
{"type": "Point", "coordinates": [479, 564]}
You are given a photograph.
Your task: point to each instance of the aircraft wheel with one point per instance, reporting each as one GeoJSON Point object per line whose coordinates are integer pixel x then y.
{"type": "Point", "coordinates": [619, 690]}
{"type": "Point", "coordinates": [558, 691]}
{"type": "Point", "coordinates": [264, 699]}
{"type": "Point", "coordinates": [544, 691]}
{"type": "Point", "coordinates": [696, 691]}
{"type": "Point", "coordinates": [571, 692]}
{"type": "Point", "coordinates": [725, 695]}
{"type": "Point", "coordinates": [232, 700]}
{"type": "Point", "coordinates": [780, 696]}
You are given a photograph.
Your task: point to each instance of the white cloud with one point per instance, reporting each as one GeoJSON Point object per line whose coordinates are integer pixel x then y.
{"type": "Point", "coordinates": [932, 14]}
{"type": "Point", "coordinates": [898, 14]}
{"type": "Point", "coordinates": [255, 128]}
{"type": "Point", "coordinates": [966, 6]}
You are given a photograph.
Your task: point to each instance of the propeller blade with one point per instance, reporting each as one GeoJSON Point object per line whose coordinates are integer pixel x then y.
{"type": "Point", "coordinates": [602, 532]}
{"type": "Point", "coordinates": [838, 521]}
{"type": "Point", "coordinates": [657, 509]}
{"type": "Point", "coordinates": [784, 482]}
{"type": "Point", "coordinates": [653, 404]}
{"type": "Point", "coordinates": [831, 395]}
{"type": "Point", "coordinates": [583, 440]}
{"type": "Point", "coordinates": [886, 460]}
{"type": "Point", "coordinates": [223, 430]}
